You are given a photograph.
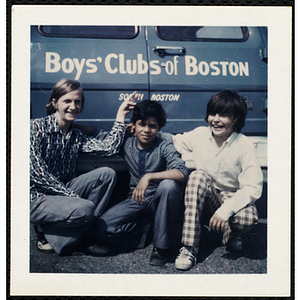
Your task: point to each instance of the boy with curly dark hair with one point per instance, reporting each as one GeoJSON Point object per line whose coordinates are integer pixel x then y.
{"type": "Point", "coordinates": [157, 179]}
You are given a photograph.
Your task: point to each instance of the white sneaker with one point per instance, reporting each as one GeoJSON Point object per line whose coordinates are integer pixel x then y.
{"type": "Point", "coordinates": [42, 243]}
{"type": "Point", "coordinates": [235, 245]}
{"type": "Point", "coordinates": [46, 248]}
{"type": "Point", "coordinates": [186, 258]}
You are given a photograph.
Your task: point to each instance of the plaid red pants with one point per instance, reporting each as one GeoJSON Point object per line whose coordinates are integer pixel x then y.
{"type": "Point", "coordinates": [200, 193]}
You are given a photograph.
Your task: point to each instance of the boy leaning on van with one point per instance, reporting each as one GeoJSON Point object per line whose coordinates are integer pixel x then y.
{"type": "Point", "coordinates": [157, 181]}
{"type": "Point", "coordinates": [63, 205]}
{"type": "Point", "coordinates": [227, 180]}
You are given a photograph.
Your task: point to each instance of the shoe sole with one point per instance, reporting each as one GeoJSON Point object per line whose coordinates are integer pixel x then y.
{"type": "Point", "coordinates": [184, 269]}
{"type": "Point", "coordinates": [157, 265]}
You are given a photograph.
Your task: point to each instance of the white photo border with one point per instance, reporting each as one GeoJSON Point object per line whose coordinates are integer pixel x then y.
{"type": "Point", "coordinates": [277, 281]}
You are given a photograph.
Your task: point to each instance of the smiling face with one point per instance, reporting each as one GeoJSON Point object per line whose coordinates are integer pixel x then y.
{"type": "Point", "coordinates": [221, 127]}
{"type": "Point", "coordinates": [146, 132]}
{"type": "Point", "coordinates": [68, 107]}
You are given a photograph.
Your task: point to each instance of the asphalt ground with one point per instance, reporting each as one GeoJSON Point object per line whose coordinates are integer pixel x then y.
{"type": "Point", "coordinates": [212, 258]}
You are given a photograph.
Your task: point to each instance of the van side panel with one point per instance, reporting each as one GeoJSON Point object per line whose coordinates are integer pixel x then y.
{"type": "Point", "coordinates": [186, 73]}
{"type": "Point", "coordinates": [108, 69]}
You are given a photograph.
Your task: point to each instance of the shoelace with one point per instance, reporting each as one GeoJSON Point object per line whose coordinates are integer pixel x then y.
{"type": "Point", "coordinates": [185, 252]}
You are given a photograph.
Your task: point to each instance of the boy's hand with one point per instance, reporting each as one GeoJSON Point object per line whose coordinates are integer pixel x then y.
{"type": "Point", "coordinates": [130, 129]}
{"type": "Point", "coordinates": [126, 107]}
{"type": "Point", "coordinates": [140, 189]}
{"type": "Point", "coordinates": [216, 223]}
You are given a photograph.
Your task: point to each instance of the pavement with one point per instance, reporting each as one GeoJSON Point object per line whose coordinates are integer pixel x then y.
{"type": "Point", "coordinates": [212, 258]}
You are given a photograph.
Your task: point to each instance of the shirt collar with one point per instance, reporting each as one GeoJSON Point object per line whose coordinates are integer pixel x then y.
{"type": "Point", "coordinates": [55, 126]}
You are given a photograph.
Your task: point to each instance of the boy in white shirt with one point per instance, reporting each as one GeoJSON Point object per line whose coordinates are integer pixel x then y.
{"type": "Point", "coordinates": [227, 180]}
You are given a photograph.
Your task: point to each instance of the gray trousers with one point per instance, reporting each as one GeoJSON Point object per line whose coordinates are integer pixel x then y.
{"type": "Point", "coordinates": [66, 219]}
{"type": "Point", "coordinates": [128, 223]}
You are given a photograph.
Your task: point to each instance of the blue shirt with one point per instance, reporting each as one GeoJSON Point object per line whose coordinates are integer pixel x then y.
{"type": "Point", "coordinates": [53, 158]}
{"type": "Point", "coordinates": [161, 156]}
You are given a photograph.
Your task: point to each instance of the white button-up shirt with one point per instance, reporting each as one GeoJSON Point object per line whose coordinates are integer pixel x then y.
{"type": "Point", "coordinates": [233, 167]}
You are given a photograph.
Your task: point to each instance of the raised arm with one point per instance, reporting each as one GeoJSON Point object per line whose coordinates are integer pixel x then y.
{"type": "Point", "coordinates": [108, 143]}
{"type": "Point", "coordinates": [126, 107]}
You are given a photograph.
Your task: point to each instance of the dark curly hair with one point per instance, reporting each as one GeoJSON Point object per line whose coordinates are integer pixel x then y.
{"type": "Point", "coordinates": [147, 109]}
{"type": "Point", "coordinates": [230, 103]}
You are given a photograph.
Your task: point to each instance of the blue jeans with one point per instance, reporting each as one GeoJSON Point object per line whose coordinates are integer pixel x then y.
{"type": "Point", "coordinates": [66, 219]}
{"type": "Point", "coordinates": [128, 223]}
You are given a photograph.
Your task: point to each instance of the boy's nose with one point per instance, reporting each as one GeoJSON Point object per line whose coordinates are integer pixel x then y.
{"type": "Point", "coordinates": [216, 118]}
{"type": "Point", "coordinates": [72, 105]}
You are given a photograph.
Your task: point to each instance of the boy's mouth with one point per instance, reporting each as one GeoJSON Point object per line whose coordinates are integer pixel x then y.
{"type": "Point", "coordinates": [217, 126]}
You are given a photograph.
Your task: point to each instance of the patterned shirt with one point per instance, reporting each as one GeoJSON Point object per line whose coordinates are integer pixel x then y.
{"type": "Point", "coordinates": [53, 158]}
{"type": "Point", "coordinates": [161, 156]}
{"type": "Point", "coordinates": [233, 167]}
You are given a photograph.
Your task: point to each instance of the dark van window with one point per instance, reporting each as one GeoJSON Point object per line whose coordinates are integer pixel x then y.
{"type": "Point", "coordinates": [203, 33]}
{"type": "Point", "coordinates": [103, 32]}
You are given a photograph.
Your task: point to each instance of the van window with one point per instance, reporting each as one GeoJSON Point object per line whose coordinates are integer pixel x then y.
{"type": "Point", "coordinates": [101, 32]}
{"type": "Point", "coordinates": [203, 33]}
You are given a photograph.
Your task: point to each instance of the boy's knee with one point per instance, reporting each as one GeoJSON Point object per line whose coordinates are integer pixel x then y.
{"type": "Point", "coordinates": [167, 184]}
{"type": "Point", "coordinates": [198, 174]}
{"type": "Point", "coordinates": [82, 214]}
{"type": "Point", "coordinates": [244, 222]}
{"type": "Point", "coordinates": [107, 172]}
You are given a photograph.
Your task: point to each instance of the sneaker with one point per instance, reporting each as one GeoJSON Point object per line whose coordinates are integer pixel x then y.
{"type": "Point", "coordinates": [158, 257]}
{"type": "Point", "coordinates": [42, 243]}
{"type": "Point", "coordinates": [235, 245]}
{"type": "Point", "coordinates": [186, 258]}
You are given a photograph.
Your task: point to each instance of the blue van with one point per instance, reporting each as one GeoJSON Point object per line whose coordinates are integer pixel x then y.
{"type": "Point", "coordinates": [179, 66]}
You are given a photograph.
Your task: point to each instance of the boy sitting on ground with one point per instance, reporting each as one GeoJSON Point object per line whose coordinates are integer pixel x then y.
{"type": "Point", "coordinates": [157, 181]}
{"type": "Point", "coordinates": [228, 178]}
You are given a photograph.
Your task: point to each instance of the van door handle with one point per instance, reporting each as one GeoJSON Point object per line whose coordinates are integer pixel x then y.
{"type": "Point", "coordinates": [161, 50]}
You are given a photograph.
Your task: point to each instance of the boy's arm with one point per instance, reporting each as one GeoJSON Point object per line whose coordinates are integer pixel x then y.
{"type": "Point", "coordinates": [40, 177]}
{"type": "Point", "coordinates": [250, 181]}
{"type": "Point", "coordinates": [140, 189]}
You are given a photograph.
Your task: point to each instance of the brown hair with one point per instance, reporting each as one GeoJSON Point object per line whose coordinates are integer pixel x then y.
{"type": "Point", "coordinates": [230, 103]}
{"type": "Point", "coordinates": [63, 87]}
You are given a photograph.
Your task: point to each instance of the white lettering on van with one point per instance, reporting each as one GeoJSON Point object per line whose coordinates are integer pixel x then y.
{"type": "Point", "coordinates": [79, 67]}
{"type": "Point", "coordinates": [165, 97]}
{"type": "Point", "coordinates": [153, 65]}
{"type": "Point", "coordinates": [244, 69]}
{"type": "Point", "coordinates": [107, 63]}
{"type": "Point", "coordinates": [68, 65]}
{"type": "Point", "coordinates": [123, 96]}
{"type": "Point", "coordinates": [233, 68]}
{"type": "Point", "coordinates": [203, 68]}
{"type": "Point", "coordinates": [142, 65]}
{"type": "Point", "coordinates": [90, 64]}
{"type": "Point", "coordinates": [213, 65]}
{"type": "Point", "coordinates": [215, 68]}
{"type": "Point", "coordinates": [118, 63]}
{"type": "Point", "coordinates": [52, 59]}
{"type": "Point", "coordinates": [190, 65]}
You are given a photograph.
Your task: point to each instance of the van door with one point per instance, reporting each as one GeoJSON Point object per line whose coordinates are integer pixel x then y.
{"type": "Point", "coordinates": [189, 64]}
{"type": "Point", "coordinates": [109, 61]}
